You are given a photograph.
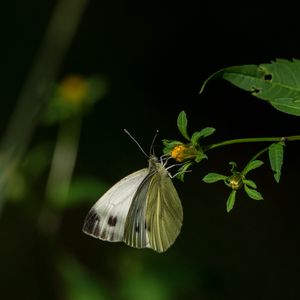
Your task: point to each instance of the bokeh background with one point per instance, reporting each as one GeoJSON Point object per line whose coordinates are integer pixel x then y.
{"type": "Point", "coordinates": [74, 74]}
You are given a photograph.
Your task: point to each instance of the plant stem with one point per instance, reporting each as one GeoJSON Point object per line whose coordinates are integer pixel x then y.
{"type": "Point", "coordinates": [252, 140]}
{"type": "Point", "coordinates": [60, 175]}
{"type": "Point", "coordinates": [255, 157]}
{"type": "Point", "coordinates": [38, 86]}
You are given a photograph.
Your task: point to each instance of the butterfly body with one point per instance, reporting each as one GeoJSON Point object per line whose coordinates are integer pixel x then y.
{"type": "Point", "coordinates": [143, 210]}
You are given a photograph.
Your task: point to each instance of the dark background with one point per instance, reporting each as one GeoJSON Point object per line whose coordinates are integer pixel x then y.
{"type": "Point", "coordinates": [155, 56]}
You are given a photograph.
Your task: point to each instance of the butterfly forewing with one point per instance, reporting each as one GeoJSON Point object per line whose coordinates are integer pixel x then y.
{"type": "Point", "coordinates": [106, 219]}
{"type": "Point", "coordinates": [135, 234]}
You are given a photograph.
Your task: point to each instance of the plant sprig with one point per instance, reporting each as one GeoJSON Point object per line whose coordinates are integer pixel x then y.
{"type": "Point", "coordinates": [278, 83]}
{"type": "Point", "coordinates": [194, 150]}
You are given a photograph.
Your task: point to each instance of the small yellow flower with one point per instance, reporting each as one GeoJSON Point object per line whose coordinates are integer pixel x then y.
{"type": "Point", "coordinates": [73, 89]}
{"type": "Point", "coordinates": [178, 152]}
{"type": "Point", "coordinates": [235, 181]}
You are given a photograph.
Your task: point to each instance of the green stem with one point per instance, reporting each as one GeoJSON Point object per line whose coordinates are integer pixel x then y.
{"type": "Point", "coordinates": [60, 175]}
{"type": "Point", "coordinates": [38, 86]}
{"type": "Point", "coordinates": [259, 154]}
{"type": "Point", "coordinates": [252, 140]}
{"type": "Point", "coordinates": [255, 157]}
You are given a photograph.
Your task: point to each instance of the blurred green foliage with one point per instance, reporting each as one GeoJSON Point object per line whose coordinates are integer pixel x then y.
{"type": "Point", "coordinates": [74, 96]}
{"type": "Point", "coordinates": [80, 283]}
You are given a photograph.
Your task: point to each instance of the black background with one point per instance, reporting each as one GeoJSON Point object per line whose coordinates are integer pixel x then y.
{"type": "Point", "coordinates": [155, 56]}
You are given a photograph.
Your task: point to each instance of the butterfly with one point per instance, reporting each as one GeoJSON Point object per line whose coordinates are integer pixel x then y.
{"type": "Point", "coordinates": [143, 210]}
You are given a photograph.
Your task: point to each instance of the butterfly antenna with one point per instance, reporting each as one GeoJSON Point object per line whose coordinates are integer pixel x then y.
{"type": "Point", "coordinates": [136, 142]}
{"type": "Point", "coordinates": [152, 144]}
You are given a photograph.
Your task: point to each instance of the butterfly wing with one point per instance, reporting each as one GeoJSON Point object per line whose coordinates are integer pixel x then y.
{"type": "Point", "coordinates": [106, 219]}
{"type": "Point", "coordinates": [164, 211]}
{"type": "Point", "coordinates": [136, 228]}
{"type": "Point", "coordinates": [155, 217]}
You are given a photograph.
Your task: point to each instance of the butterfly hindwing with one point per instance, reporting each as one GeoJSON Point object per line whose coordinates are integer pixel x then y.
{"type": "Point", "coordinates": [106, 219]}
{"type": "Point", "coordinates": [155, 217]}
{"type": "Point", "coordinates": [164, 211]}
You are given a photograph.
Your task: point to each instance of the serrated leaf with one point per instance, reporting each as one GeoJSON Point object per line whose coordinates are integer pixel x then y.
{"type": "Point", "coordinates": [182, 170]}
{"type": "Point", "coordinates": [230, 201]}
{"type": "Point", "coordinates": [252, 193]}
{"type": "Point", "coordinates": [277, 82]}
{"type": "Point", "coordinates": [182, 124]}
{"type": "Point", "coordinates": [254, 164]}
{"type": "Point", "coordinates": [250, 183]}
{"type": "Point", "coordinates": [201, 134]}
{"type": "Point", "coordinates": [213, 177]}
{"type": "Point", "coordinates": [276, 159]}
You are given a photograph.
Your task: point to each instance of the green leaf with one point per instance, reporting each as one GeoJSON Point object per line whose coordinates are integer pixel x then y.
{"type": "Point", "coordinates": [254, 194]}
{"type": "Point", "coordinates": [200, 156]}
{"type": "Point", "coordinates": [195, 137]}
{"type": "Point", "coordinates": [213, 177]}
{"type": "Point", "coordinates": [254, 164]}
{"type": "Point", "coordinates": [201, 134]}
{"type": "Point", "coordinates": [182, 170]}
{"type": "Point", "coordinates": [250, 183]}
{"type": "Point", "coordinates": [182, 124]}
{"type": "Point", "coordinates": [233, 166]}
{"type": "Point", "coordinates": [171, 142]}
{"type": "Point", "coordinates": [276, 159]}
{"type": "Point", "coordinates": [169, 145]}
{"type": "Point", "coordinates": [230, 201]}
{"type": "Point", "coordinates": [277, 82]}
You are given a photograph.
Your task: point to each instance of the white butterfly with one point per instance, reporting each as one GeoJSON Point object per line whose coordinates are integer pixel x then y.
{"type": "Point", "coordinates": [143, 210]}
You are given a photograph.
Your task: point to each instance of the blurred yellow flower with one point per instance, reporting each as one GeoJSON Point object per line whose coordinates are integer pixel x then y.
{"type": "Point", "coordinates": [73, 88]}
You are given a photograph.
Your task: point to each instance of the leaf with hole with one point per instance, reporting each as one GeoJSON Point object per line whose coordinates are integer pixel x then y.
{"type": "Point", "coordinates": [277, 82]}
